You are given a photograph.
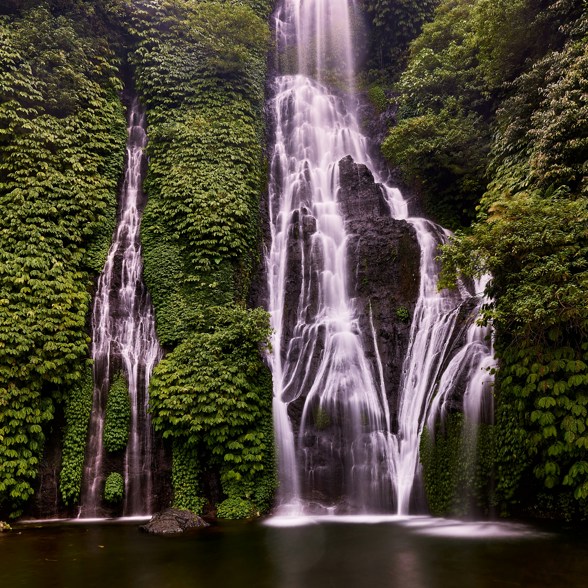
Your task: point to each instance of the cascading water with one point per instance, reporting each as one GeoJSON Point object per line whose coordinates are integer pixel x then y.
{"type": "Point", "coordinates": [124, 340]}
{"type": "Point", "coordinates": [344, 451]}
{"type": "Point", "coordinates": [343, 438]}
{"type": "Point", "coordinates": [429, 368]}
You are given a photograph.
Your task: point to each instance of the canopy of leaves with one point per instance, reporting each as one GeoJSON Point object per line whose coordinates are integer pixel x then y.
{"type": "Point", "coordinates": [392, 25]}
{"type": "Point", "coordinates": [441, 142]}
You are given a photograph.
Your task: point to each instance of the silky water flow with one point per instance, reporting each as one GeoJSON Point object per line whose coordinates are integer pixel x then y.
{"type": "Point", "coordinates": [344, 455]}
{"type": "Point", "coordinates": [124, 344]}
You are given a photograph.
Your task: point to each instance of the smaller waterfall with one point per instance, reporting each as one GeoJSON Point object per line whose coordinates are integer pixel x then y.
{"type": "Point", "coordinates": [469, 370]}
{"type": "Point", "coordinates": [433, 370]}
{"type": "Point", "coordinates": [123, 340]}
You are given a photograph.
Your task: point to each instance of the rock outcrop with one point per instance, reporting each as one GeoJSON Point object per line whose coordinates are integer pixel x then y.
{"type": "Point", "coordinates": [384, 259]}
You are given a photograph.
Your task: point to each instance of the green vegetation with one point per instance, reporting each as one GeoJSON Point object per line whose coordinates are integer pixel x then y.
{"type": "Point", "coordinates": [61, 152]}
{"type": "Point", "coordinates": [403, 314]}
{"type": "Point", "coordinates": [186, 478]}
{"type": "Point", "coordinates": [461, 69]}
{"type": "Point", "coordinates": [321, 418]}
{"type": "Point", "coordinates": [492, 113]}
{"type": "Point", "coordinates": [458, 463]}
{"type": "Point", "coordinates": [114, 488]}
{"type": "Point", "coordinates": [441, 142]}
{"type": "Point", "coordinates": [236, 508]}
{"type": "Point", "coordinates": [78, 406]}
{"type": "Point", "coordinates": [392, 25]}
{"type": "Point", "coordinates": [118, 416]}
{"type": "Point", "coordinates": [491, 132]}
{"type": "Point", "coordinates": [200, 70]}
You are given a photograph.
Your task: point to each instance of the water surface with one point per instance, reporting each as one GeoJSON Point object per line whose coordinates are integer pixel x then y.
{"type": "Point", "coordinates": [304, 553]}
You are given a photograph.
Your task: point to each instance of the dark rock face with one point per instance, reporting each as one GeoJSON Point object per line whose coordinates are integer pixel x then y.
{"type": "Point", "coordinates": [173, 521]}
{"type": "Point", "coordinates": [384, 259]}
{"type": "Point", "coordinates": [47, 502]}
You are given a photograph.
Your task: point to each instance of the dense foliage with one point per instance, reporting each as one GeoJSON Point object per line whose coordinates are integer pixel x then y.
{"type": "Point", "coordinates": [442, 138]}
{"type": "Point", "coordinates": [458, 462]}
{"type": "Point", "coordinates": [392, 24]}
{"type": "Point", "coordinates": [61, 153]}
{"type": "Point", "coordinates": [201, 73]}
{"type": "Point", "coordinates": [493, 110]}
{"type": "Point", "coordinates": [78, 406]}
{"type": "Point", "coordinates": [114, 488]}
{"type": "Point", "coordinates": [460, 69]}
{"type": "Point", "coordinates": [117, 418]}
{"type": "Point", "coordinates": [492, 129]}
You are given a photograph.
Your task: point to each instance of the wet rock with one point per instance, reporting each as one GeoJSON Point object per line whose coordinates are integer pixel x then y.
{"type": "Point", "coordinates": [384, 260]}
{"type": "Point", "coordinates": [173, 521]}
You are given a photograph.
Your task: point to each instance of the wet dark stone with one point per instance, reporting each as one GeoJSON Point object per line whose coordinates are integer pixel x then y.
{"type": "Point", "coordinates": [173, 521]}
{"type": "Point", "coordinates": [384, 260]}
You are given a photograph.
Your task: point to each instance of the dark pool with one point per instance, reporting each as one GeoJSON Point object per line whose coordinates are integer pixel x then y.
{"type": "Point", "coordinates": [366, 553]}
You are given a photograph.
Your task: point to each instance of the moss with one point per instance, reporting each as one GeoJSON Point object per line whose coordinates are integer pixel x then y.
{"type": "Point", "coordinates": [458, 467]}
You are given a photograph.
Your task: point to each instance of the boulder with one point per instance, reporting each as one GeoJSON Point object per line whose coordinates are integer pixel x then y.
{"type": "Point", "coordinates": [173, 521]}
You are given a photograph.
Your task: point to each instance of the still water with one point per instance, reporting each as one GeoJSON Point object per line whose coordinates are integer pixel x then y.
{"type": "Point", "coordinates": [341, 553]}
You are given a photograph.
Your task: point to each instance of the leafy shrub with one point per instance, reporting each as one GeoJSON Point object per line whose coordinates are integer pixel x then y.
{"type": "Point", "coordinates": [114, 488]}
{"type": "Point", "coordinates": [402, 314]}
{"type": "Point", "coordinates": [236, 508]}
{"type": "Point", "coordinates": [118, 416]}
{"type": "Point", "coordinates": [377, 96]}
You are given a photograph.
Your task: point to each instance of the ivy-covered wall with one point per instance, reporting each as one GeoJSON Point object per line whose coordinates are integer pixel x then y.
{"type": "Point", "coordinates": [62, 135]}
{"type": "Point", "coordinates": [200, 70]}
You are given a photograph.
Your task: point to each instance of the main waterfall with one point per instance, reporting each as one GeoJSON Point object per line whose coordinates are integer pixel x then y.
{"type": "Point", "coordinates": [124, 344]}
{"type": "Point", "coordinates": [347, 453]}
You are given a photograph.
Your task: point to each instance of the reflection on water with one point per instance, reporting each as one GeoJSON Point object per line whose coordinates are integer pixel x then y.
{"type": "Point", "coordinates": [323, 552]}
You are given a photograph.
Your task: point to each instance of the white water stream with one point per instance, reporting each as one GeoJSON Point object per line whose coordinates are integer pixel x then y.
{"type": "Point", "coordinates": [345, 451]}
{"type": "Point", "coordinates": [123, 338]}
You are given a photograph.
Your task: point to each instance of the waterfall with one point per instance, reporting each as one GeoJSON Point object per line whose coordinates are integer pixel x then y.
{"type": "Point", "coordinates": [343, 454]}
{"type": "Point", "coordinates": [123, 341]}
